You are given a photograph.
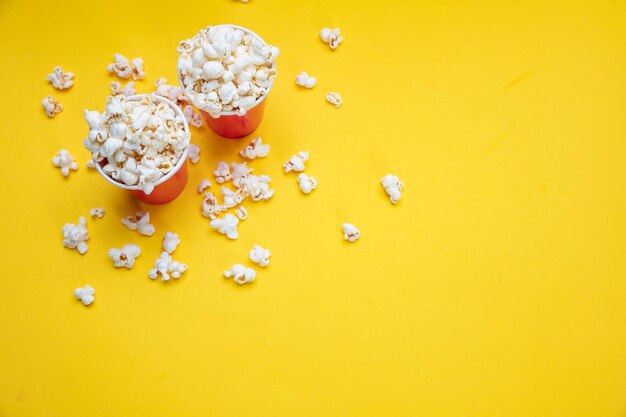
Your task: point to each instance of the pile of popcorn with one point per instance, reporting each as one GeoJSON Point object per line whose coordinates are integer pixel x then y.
{"type": "Point", "coordinates": [224, 69]}
{"type": "Point", "coordinates": [137, 142]}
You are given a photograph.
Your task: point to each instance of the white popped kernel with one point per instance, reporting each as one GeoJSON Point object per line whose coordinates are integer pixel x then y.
{"type": "Point", "coordinates": [204, 184]}
{"type": "Point", "coordinates": [222, 173]}
{"type": "Point", "coordinates": [331, 36]}
{"type": "Point", "coordinates": [170, 242]}
{"type": "Point", "coordinates": [226, 226]}
{"type": "Point", "coordinates": [85, 294]}
{"type": "Point", "coordinates": [171, 92]}
{"type": "Point", "coordinates": [124, 257]}
{"type": "Point", "coordinates": [194, 153]}
{"type": "Point", "coordinates": [210, 206]}
{"type": "Point", "coordinates": [60, 79]}
{"type": "Point", "coordinates": [334, 99]}
{"type": "Point", "coordinates": [97, 212]}
{"type": "Point", "coordinates": [192, 117]}
{"type": "Point", "coordinates": [257, 187]}
{"type": "Point", "coordinates": [166, 267]}
{"type": "Point", "coordinates": [128, 90]}
{"type": "Point", "coordinates": [306, 183]}
{"type": "Point", "coordinates": [231, 198]}
{"type": "Point", "coordinates": [75, 235]}
{"type": "Point", "coordinates": [392, 186]}
{"type": "Point", "coordinates": [51, 106]}
{"type": "Point", "coordinates": [350, 232]}
{"type": "Point", "coordinates": [305, 80]}
{"type": "Point", "coordinates": [260, 255]}
{"type": "Point", "coordinates": [223, 69]}
{"type": "Point", "coordinates": [256, 149]}
{"type": "Point", "coordinates": [126, 69]}
{"type": "Point", "coordinates": [65, 161]}
{"type": "Point", "coordinates": [241, 213]}
{"type": "Point", "coordinates": [90, 164]}
{"type": "Point", "coordinates": [140, 222]}
{"type": "Point", "coordinates": [296, 162]}
{"type": "Point", "coordinates": [240, 274]}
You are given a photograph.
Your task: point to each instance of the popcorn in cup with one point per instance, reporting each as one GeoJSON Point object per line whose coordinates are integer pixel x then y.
{"type": "Point", "coordinates": [227, 72]}
{"type": "Point", "coordinates": [140, 143]}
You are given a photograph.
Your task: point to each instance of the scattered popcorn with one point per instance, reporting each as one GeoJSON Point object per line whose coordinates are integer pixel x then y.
{"type": "Point", "coordinates": [193, 118]}
{"type": "Point", "coordinates": [260, 256]}
{"type": "Point", "coordinates": [85, 294]}
{"type": "Point", "coordinates": [124, 257]}
{"type": "Point", "coordinates": [127, 69]}
{"type": "Point", "coordinates": [171, 92]}
{"type": "Point", "coordinates": [231, 198]}
{"type": "Point", "coordinates": [331, 37]}
{"type": "Point", "coordinates": [65, 161]}
{"type": "Point", "coordinates": [222, 69]}
{"type": "Point", "coordinates": [334, 99]}
{"type": "Point", "coordinates": [226, 226]}
{"type": "Point", "coordinates": [257, 187]}
{"type": "Point", "coordinates": [240, 274]}
{"type": "Point", "coordinates": [139, 222]}
{"type": "Point", "coordinates": [128, 90]}
{"type": "Point", "coordinates": [170, 242]}
{"type": "Point", "coordinates": [96, 212]}
{"type": "Point", "coordinates": [90, 164]}
{"type": "Point", "coordinates": [204, 184]}
{"type": "Point", "coordinates": [241, 213]}
{"type": "Point", "coordinates": [138, 141]}
{"type": "Point", "coordinates": [305, 80]}
{"type": "Point", "coordinates": [392, 186]}
{"type": "Point", "coordinates": [194, 153]}
{"type": "Point", "coordinates": [210, 206]}
{"type": "Point", "coordinates": [222, 173]}
{"type": "Point", "coordinates": [75, 235]}
{"type": "Point", "coordinates": [51, 106]}
{"type": "Point", "coordinates": [296, 162]}
{"type": "Point", "coordinates": [306, 183]}
{"type": "Point", "coordinates": [60, 79]}
{"type": "Point", "coordinates": [166, 267]}
{"type": "Point", "coordinates": [350, 232]}
{"type": "Point", "coordinates": [256, 149]}
{"type": "Point", "coordinates": [240, 171]}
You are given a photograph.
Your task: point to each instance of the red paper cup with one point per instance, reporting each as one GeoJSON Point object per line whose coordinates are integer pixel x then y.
{"type": "Point", "coordinates": [169, 186]}
{"type": "Point", "coordinates": [229, 124]}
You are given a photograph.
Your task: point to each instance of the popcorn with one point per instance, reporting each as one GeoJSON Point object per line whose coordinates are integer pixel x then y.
{"type": "Point", "coordinates": [204, 184]}
{"type": "Point", "coordinates": [170, 242]}
{"type": "Point", "coordinates": [240, 274]}
{"type": "Point", "coordinates": [257, 187]}
{"type": "Point", "coordinates": [60, 79]}
{"type": "Point", "coordinates": [350, 232]}
{"type": "Point", "coordinates": [226, 226]}
{"type": "Point", "coordinates": [256, 149]}
{"type": "Point", "coordinates": [166, 267]}
{"type": "Point", "coordinates": [305, 80]}
{"type": "Point", "coordinates": [96, 212]}
{"type": "Point", "coordinates": [194, 153]}
{"type": "Point", "coordinates": [240, 171]}
{"type": "Point", "coordinates": [127, 69]}
{"type": "Point", "coordinates": [392, 186]}
{"type": "Point", "coordinates": [334, 99]}
{"type": "Point", "coordinates": [296, 162]}
{"type": "Point", "coordinates": [137, 141]}
{"type": "Point", "coordinates": [222, 173]}
{"type": "Point", "coordinates": [51, 106]}
{"type": "Point", "coordinates": [75, 235]}
{"type": "Point", "coordinates": [260, 256]}
{"type": "Point", "coordinates": [210, 207]}
{"type": "Point", "coordinates": [241, 213]}
{"type": "Point", "coordinates": [124, 257]}
{"type": "Point", "coordinates": [222, 69]}
{"type": "Point", "coordinates": [306, 183]}
{"type": "Point", "coordinates": [139, 222]}
{"type": "Point", "coordinates": [65, 161]}
{"type": "Point", "coordinates": [85, 294]}
{"type": "Point", "coordinates": [170, 92]}
{"type": "Point", "coordinates": [331, 37]}
{"type": "Point", "coordinates": [193, 118]}
{"type": "Point", "coordinates": [231, 198]}
{"type": "Point", "coordinates": [90, 164]}
{"type": "Point", "coordinates": [128, 90]}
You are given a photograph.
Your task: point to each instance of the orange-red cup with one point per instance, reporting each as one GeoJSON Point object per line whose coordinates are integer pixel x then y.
{"type": "Point", "coordinates": [229, 124]}
{"type": "Point", "coordinates": [169, 186]}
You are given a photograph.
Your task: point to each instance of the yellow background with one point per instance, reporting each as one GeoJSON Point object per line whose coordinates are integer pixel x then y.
{"type": "Point", "coordinates": [496, 287]}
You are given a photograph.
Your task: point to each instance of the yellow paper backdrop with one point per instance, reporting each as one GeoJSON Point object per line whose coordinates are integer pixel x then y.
{"type": "Point", "coordinates": [496, 287]}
